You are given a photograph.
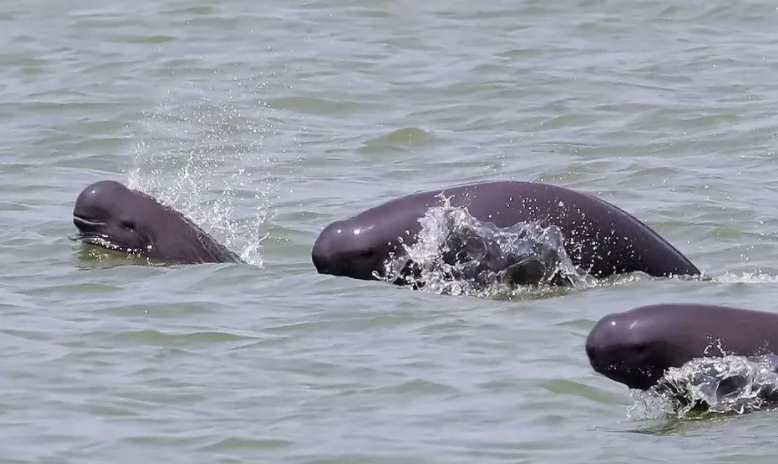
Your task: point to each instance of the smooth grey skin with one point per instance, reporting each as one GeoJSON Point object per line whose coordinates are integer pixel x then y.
{"type": "Point", "coordinates": [600, 238]}
{"type": "Point", "coordinates": [110, 215]}
{"type": "Point", "coordinates": [636, 347]}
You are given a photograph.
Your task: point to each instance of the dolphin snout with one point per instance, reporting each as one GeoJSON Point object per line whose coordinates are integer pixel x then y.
{"type": "Point", "coordinates": [327, 262]}
{"type": "Point", "coordinates": [324, 259]}
{"type": "Point", "coordinates": [599, 346]}
{"type": "Point", "coordinates": [342, 254]}
{"type": "Point", "coordinates": [320, 260]}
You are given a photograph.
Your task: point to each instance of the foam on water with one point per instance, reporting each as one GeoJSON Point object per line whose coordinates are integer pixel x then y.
{"type": "Point", "coordinates": [447, 229]}
{"type": "Point", "coordinates": [756, 277]}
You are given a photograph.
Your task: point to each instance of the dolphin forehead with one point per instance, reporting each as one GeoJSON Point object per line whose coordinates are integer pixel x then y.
{"type": "Point", "coordinates": [105, 187]}
{"type": "Point", "coordinates": [111, 202]}
{"type": "Point", "coordinates": [349, 229]}
{"type": "Point", "coordinates": [618, 329]}
{"type": "Point", "coordinates": [101, 194]}
{"type": "Point", "coordinates": [667, 324]}
{"type": "Point", "coordinates": [343, 238]}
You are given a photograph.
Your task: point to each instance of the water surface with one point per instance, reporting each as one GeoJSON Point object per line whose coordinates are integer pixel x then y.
{"type": "Point", "coordinates": [265, 123]}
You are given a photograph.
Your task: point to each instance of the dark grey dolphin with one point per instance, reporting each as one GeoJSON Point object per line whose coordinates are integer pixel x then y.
{"type": "Point", "coordinates": [636, 347]}
{"type": "Point", "coordinates": [599, 238]}
{"type": "Point", "coordinates": [110, 215]}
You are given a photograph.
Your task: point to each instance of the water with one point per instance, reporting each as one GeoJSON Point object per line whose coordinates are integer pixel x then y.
{"type": "Point", "coordinates": [265, 123]}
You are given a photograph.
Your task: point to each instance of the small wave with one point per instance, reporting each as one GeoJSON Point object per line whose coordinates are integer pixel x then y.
{"type": "Point", "coordinates": [730, 384]}
{"type": "Point", "coordinates": [401, 139]}
{"type": "Point", "coordinates": [756, 277]}
{"type": "Point", "coordinates": [457, 254]}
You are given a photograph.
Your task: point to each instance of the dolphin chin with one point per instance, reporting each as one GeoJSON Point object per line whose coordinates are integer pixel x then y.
{"type": "Point", "coordinates": [103, 241]}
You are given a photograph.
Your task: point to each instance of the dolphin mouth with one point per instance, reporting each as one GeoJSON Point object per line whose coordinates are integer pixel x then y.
{"type": "Point", "coordinates": [86, 225]}
{"type": "Point", "coordinates": [89, 232]}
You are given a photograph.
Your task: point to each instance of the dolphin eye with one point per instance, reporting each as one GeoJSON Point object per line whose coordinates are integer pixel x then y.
{"type": "Point", "coordinates": [641, 348]}
{"type": "Point", "coordinates": [366, 254]}
{"type": "Point", "coordinates": [129, 225]}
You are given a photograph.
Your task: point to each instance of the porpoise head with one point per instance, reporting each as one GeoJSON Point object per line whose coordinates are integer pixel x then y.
{"type": "Point", "coordinates": [110, 215]}
{"type": "Point", "coordinates": [353, 248]}
{"type": "Point", "coordinates": [636, 347]}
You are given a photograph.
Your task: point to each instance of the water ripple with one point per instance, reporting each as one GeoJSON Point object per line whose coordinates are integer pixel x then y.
{"type": "Point", "coordinates": [265, 125]}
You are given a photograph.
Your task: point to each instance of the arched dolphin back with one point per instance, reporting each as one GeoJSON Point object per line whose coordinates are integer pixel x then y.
{"type": "Point", "coordinates": [600, 238]}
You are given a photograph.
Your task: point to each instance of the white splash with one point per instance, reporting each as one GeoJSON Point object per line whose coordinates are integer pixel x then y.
{"type": "Point", "coordinates": [730, 384]}
{"type": "Point", "coordinates": [445, 230]}
{"type": "Point", "coordinates": [756, 277]}
{"type": "Point", "coordinates": [204, 158]}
